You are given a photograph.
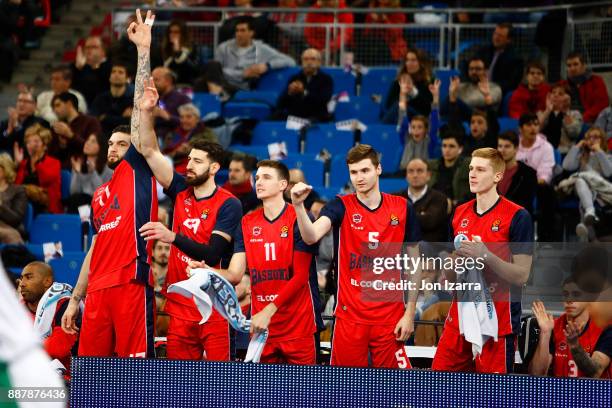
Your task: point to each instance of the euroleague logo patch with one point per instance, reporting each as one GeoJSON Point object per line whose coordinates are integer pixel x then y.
{"type": "Point", "coordinates": [394, 220]}
{"type": "Point", "coordinates": [284, 231]}
{"type": "Point", "coordinates": [205, 214]}
{"type": "Point", "coordinates": [495, 225]}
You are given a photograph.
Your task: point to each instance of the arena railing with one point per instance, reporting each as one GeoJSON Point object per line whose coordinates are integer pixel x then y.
{"type": "Point", "coordinates": [448, 42]}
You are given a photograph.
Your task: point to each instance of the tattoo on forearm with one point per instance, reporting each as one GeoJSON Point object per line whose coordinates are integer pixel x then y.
{"type": "Point", "coordinates": [143, 71]}
{"type": "Point", "coordinates": [584, 362]}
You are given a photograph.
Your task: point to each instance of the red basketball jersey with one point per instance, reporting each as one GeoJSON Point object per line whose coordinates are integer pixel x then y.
{"type": "Point", "coordinates": [118, 209]}
{"type": "Point", "coordinates": [357, 228]}
{"type": "Point", "coordinates": [502, 224]}
{"type": "Point", "coordinates": [269, 246]}
{"type": "Point", "coordinates": [563, 364]}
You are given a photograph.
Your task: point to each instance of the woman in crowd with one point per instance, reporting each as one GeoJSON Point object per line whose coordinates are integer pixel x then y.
{"type": "Point", "coordinates": [179, 53]}
{"type": "Point", "coordinates": [558, 122]}
{"type": "Point", "coordinates": [39, 173]}
{"type": "Point", "coordinates": [13, 203]}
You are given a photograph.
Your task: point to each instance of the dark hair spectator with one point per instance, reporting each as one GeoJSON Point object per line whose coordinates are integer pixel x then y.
{"type": "Point", "coordinates": [180, 54]}
{"type": "Point", "coordinates": [530, 95]}
{"type": "Point", "coordinates": [113, 107]}
{"type": "Point", "coordinates": [558, 121]}
{"type": "Point", "coordinates": [91, 69]}
{"type": "Point", "coordinates": [60, 82]}
{"type": "Point", "coordinates": [519, 183]}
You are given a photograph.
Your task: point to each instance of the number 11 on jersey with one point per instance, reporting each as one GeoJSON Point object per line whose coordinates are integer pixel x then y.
{"type": "Point", "coordinates": [270, 251]}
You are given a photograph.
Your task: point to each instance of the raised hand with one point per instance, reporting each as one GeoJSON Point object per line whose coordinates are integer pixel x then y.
{"type": "Point", "coordinates": [139, 32]}
{"type": "Point", "coordinates": [405, 83]}
{"type": "Point", "coordinates": [150, 96]}
{"type": "Point", "coordinates": [484, 86]}
{"type": "Point", "coordinates": [17, 153]}
{"type": "Point", "coordinates": [299, 192]}
{"type": "Point", "coordinates": [545, 319]}
{"type": "Point", "coordinates": [453, 87]}
{"type": "Point", "coordinates": [80, 59]}
{"type": "Point", "coordinates": [77, 164]}
{"type": "Point", "coordinates": [435, 91]}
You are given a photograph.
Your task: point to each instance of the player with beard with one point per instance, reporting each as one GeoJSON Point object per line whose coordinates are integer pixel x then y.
{"type": "Point", "coordinates": [205, 217]}
{"type": "Point", "coordinates": [118, 317]}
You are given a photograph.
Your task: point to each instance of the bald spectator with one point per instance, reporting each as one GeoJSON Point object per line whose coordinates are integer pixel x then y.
{"type": "Point", "coordinates": [505, 66]}
{"type": "Point", "coordinates": [430, 206]}
{"type": "Point", "coordinates": [91, 69]}
{"type": "Point", "coordinates": [113, 107]}
{"type": "Point", "coordinates": [36, 279]}
{"type": "Point", "coordinates": [71, 130]}
{"type": "Point", "coordinates": [61, 81]}
{"type": "Point", "coordinates": [588, 91]}
{"type": "Point", "coordinates": [240, 181]}
{"type": "Point", "coordinates": [307, 92]}
{"type": "Point", "coordinates": [19, 119]}
{"type": "Point", "coordinates": [244, 60]}
{"type": "Point", "coordinates": [166, 113]}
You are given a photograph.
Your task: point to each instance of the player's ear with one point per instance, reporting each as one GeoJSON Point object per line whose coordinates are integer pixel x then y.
{"type": "Point", "coordinates": [498, 177]}
{"type": "Point", "coordinates": [214, 168]}
{"type": "Point", "coordinates": [284, 184]}
{"type": "Point", "coordinates": [379, 169]}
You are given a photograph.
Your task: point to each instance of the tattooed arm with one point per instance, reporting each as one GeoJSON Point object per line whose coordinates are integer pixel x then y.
{"type": "Point", "coordinates": [594, 365]}
{"type": "Point", "coordinates": [139, 33]}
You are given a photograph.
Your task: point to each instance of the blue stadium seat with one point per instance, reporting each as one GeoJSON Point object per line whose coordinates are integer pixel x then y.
{"type": "Point", "coordinates": [36, 250]}
{"type": "Point", "coordinates": [558, 159]}
{"type": "Point", "coordinates": [249, 110]}
{"type": "Point", "coordinates": [385, 140]}
{"type": "Point", "coordinates": [207, 103]}
{"type": "Point", "coordinates": [392, 185]}
{"type": "Point", "coordinates": [359, 107]}
{"type": "Point", "coordinates": [336, 142]}
{"type": "Point", "coordinates": [276, 79]}
{"type": "Point", "coordinates": [507, 124]}
{"type": "Point", "coordinates": [377, 81]}
{"type": "Point", "coordinates": [66, 179]}
{"type": "Point", "coordinates": [506, 104]}
{"type": "Point", "coordinates": [343, 81]}
{"type": "Point", "coordinates": [66, 269]}
{"type": "Point", "coordinates": [268, 97]}
{"type": "Point", "coordinates": [314, 170]}
{"type": "Point", "coordinates": [338, 171]}
{"type": "Point", "coordinates": [445, 75]}
{"type": "Point", "coordinates": [58, 227]}
{"type": "Point", "coordinates": [259, 151]}
{"type": "Point", "coordinates": [328, 193]}
{"type": "Point", "coordinates": [29, 217]}
{"type": "Point", "coordinates": [272, 132]}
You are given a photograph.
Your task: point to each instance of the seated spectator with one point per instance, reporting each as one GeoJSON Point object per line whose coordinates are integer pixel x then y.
{"type": "Point", "coordinates": [588, 91]}
{"type": "Point", "coordinates": [520, 181]}
{"type": "Point", "coordinates": [89, 171]}
{"type": "Point", "coordinates": [244, 60]}
{"type": "Point", "coordinates": [179, 53]}
{"type": "Point", "coordinates": [571, 345]}
{"type": "Point", "coordinates": [61, 80]}
{"type": "Point", "coordinates": [307, 92]}
{"type": "Point", "coordinates": [71, 130]}
{"type": "Point", "coordinates": [91, 69]}
{"type": "Point", "coordinates": [297, 176]}
{"type": "Point", "coordinates": [36, 280]}
{"type": "Point", "coordinates": [240, 181]}
{"type": "Point", "coordinates": [392, 37]}
{"type": "Point", "coordinates": [536, 152]}
{"type": "Point", "coordinates": [588, 157]}
{"type": "Point", "coordinates": [113, 107]}
{"type": "Point", "coordinates": [478, 93]}
{"type": "Point", "coordinates": [166, 113]}
{"type": "Point", "coordinates": [13, 203]}
{"type": "Point", "coordinates": [450, 173]}
{"type": "Point", "coordinates": [558, 122]}
{"type": "Point", "coordinates": [604, 122]}
{"type": "Point", "coordinates": [19, 119]}
{"type": "Point", "coordinates": [430, 206]}
{"type": "Point", "coordinates": [39, 173]}
{"type": "Point", "coordinates": [176, 145]}
{"type": "Point", "coordinates": [411, 87]}
{"type": "Point", "coordinates": [530, 96]}
{"type": "Point", "coordinates": [316, 36]}
{"type": "Point", "coordinates": [483, 123]}
{"type": "Point", "coordinates": [419, 135]}
{"type": "Point", "coordinates": [505, 66]}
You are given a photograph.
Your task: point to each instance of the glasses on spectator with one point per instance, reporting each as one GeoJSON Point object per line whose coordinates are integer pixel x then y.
{"type": "Point", "coordinates": [22, 100]}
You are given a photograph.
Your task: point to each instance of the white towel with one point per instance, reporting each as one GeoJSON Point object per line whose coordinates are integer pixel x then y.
{"type": "Point", "coordinates": [475, 310]}
{"type": "Point", "coordinates": [209, 289]}
{"type": "Point", "coordinates": [45, 312]}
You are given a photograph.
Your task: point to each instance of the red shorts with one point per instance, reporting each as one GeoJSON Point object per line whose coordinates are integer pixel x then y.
{"type": "Point", "coordinates": [189, 340]}
{"type": "Point", "coordinates": [118, 321]}
{"type": "Point", "coordinates": [454, 353]}
{"type": "Point", "coordinates": [352, 342]}
{"type": "Point", "coordinates": [300, 351]}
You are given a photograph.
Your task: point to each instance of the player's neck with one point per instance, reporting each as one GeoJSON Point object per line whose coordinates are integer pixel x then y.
{"type": "Point", "coordinates": [581, 319]}
{"type": "Point", "coordinates": [370, 199]}
{"type": "Point", "coordinates": [206, 189]}
{"type": "Point", "coordinates": [273, 206]}
{"type": "Point", "coordinates": [32, 306]}
{"type": "Point", "coordinates": [486, 200]}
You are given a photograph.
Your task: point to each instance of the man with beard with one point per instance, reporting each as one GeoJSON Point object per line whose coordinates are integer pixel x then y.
{"type": "Point", "coordinates": [205, 217]}
{"type": "Point", "coordinates": [118, 317]}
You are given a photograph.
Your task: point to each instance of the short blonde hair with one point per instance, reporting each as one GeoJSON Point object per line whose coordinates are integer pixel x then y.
{"type": "Point", "coordinates": [38, 130]}
{"type": "Point", "coordinates": [495, 157]}
{"type": "Point", "coordinates": [8, 166]}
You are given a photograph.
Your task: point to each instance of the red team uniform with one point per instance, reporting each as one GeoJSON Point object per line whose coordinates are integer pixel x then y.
{"type": "Point", "coordinates": [118, 318]}
{"type": "Point", "coordinates": [505, 222]}
{"type": "Point", "coordinates": [279, 264]}
{"type": "Point", "coordinates": [364, 326]}
{"type": "Point", "coordinates": [196, 219]}
{"type": "Point", "coordinates": [563, 364]}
